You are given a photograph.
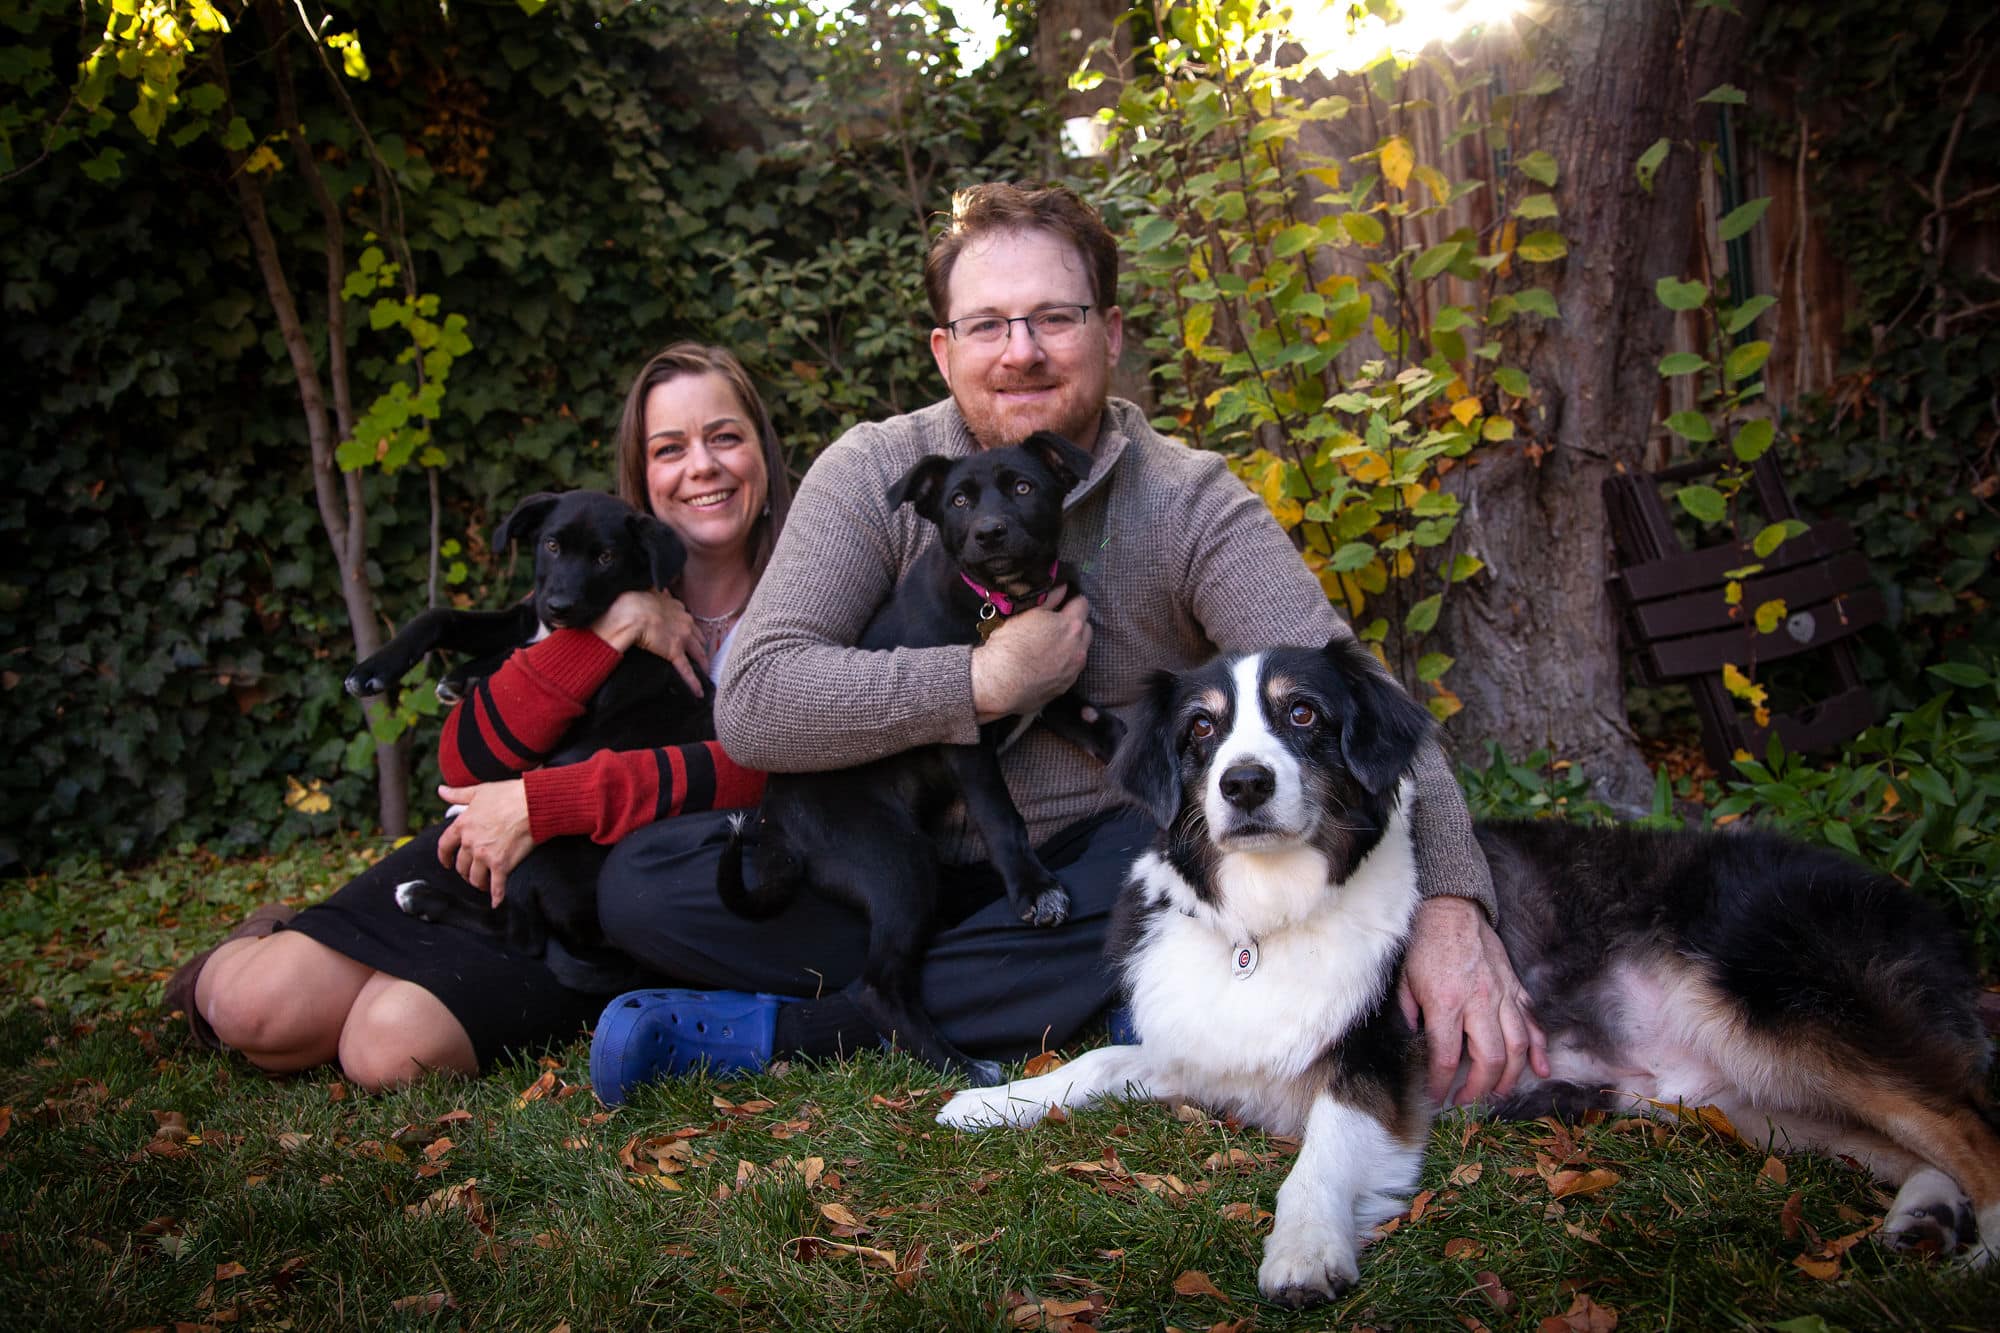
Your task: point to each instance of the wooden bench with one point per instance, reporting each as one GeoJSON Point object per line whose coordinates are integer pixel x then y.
{"type": "Point", "coordinates": [1676, 623]}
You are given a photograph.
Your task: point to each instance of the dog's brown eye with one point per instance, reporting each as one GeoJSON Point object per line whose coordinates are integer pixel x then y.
{"type": "Point", "coordinates": [1202, 727]}
{"type": "Point", "coordinates": [551, 546]}
{"type": "Point", "coordinates": [1023, 487]}
{"type": "Point", "coordinates": [604, 558]}
{"type": "Point", "coordinates": [959, 501]}
{"type": "Point", "coordinates": [1302, 715]}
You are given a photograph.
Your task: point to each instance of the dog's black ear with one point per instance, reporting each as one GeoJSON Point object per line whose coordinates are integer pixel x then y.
{"type": "Point", "coordinates": [1069, 463]}
{"type": "Point", "coordinates": [1147, 764]}
{"type": "Point", "coordinates": [920, 486]}
{"type": "Point", "coordinates": [525, 521]}
{"type": "Point", "coordinates": [1384, 727]}
{"type": "Point", "coordinates": [665, 554]}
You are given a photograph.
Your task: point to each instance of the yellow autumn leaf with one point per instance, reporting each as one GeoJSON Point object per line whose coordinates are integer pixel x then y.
{"type": "Point", "coordinates": [1368, 468]}
{"type": "Point", "coordinates": [1741, 685]}
{"type": "Point", "coordinates": [1398, 160]}
{"type": "Point", "coordinates": [263, 160]}
{"type": "Point", "coordinates": [306, 799]}
{"type": "Point", "coordinates": [1770, 615]}
{"type": "Point", "coordinates": [1732, 592]}
{"type": "Point", "coordinates": [1464, 410]}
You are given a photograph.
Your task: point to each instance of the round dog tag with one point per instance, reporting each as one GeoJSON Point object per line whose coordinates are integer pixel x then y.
{"type": "Point", "coordinates": [1242, 959]}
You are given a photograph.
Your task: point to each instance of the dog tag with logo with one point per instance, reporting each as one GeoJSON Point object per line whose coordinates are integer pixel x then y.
{"type": "Point", "coordinates": [989, 620]}
{"type": "Point", "coordinates": [1242, 959]}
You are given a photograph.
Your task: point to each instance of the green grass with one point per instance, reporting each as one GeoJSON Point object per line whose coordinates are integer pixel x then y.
{"type": "Point", "coordinates": [110, 1219]}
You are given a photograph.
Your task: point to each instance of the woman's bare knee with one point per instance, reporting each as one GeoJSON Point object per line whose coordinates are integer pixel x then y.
{"type": "Point", "coordinates": [281, 1001]}
{"type": "Point", "coordinates": [396, 1032]}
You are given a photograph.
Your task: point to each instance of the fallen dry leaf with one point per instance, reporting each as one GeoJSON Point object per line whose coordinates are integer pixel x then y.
{"type": "Point", "coordinates": [1791, 1215]}
{"type": "Point", "coordinates": [452, 1117]}
{"type": "Point", "coordinates": [428, 1303]}
{"type": "Point", "coordinates": [1245, 1212]}
{"type": "Point", "coordinates": [755, 1106]}
{"type": "Point", "coordinates": [968, 1246]}
{"type": "Point", "coordinates": [1170, 1184]}
{"type": "Point", "coordinates": [1568, 1184]}
{"type": "Point", "coordinates": [1420, 1205]}
{"type": "Point", "coordinates": [1235, 1159]}
{"type": "Point", "coordinates": [229, 1270]}
{"type": "Point", "coordinates": [1826, 1270]}
{"type": "Point", "coordinates": [1496, 1294]}
{"type": "Point", "coordinates": [1583, 1316]}
{"type": "Point", "coordinates": [1463, 1247]}
{"type": "Point", "coordinates": [537, 1090]}
{"type": "Point", "coordinates": [843, 1217]}
{"type": "Point", "coordinates": [1466, 1174]}
{"type": "Point", "coordinates": [292, 1141]}
{"type": "Point", "coordinates": [1194, 1282]}
{"type": "Point", "coordinates": [807, 1248]}
{"type": "Point", "coordinates": [1045, 1063]}
{"type": "Point", "coordinates": [1774, 1171]}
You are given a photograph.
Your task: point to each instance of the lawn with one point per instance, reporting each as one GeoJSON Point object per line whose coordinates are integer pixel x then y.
{"type": "Point", "coordinates": [146, 1182]}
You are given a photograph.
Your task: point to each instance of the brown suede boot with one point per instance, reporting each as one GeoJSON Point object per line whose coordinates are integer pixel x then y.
{"type": "Point", "coordinates": [179, 992]}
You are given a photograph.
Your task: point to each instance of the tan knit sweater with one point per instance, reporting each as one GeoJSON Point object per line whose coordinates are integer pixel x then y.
{"type": "Point", "coordinates": [1179, 561]}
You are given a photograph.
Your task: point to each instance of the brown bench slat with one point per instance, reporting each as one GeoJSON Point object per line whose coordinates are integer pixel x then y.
{"type": "Point", "coordinates": [1741, 644]}
{"type": "Point", "coordinates": [1710, 566]}
{"type": "Point", "coordinates": [1705, 610]}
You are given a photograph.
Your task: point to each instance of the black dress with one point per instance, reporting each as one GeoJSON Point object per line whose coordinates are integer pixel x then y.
{"type": "Point", "coordinates": [507, 1003]}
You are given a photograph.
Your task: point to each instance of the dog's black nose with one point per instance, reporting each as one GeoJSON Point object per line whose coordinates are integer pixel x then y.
{"type": "Point", "coordinates": [1247, 786]}
{"type": "Point", "coordinates": [990, 531]}
{"type": "Point", "coordinates": [559, 608]}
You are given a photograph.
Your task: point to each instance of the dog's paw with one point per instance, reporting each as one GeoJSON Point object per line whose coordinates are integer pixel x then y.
{"type": "Point", "coordinates": [1930, 1215]}
{"type": "Point", "coordinates": [989, 1108]}
{"type": "Point", "coordinates": [420, 900]}
{"type": "Point", "coordinates": [365, 681]}
{"type": "Point", "coordinates": [1050, 907]}
{"type": "Point", "coordinates": [1306, 1267]}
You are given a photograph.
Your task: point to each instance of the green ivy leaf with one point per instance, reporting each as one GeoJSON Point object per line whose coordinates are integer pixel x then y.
{"type": "Point", "coordinates": [1293, 240]}
{"type": "Point", "coordinates": [1536, 206]}
{"type": "Point", "coordinates": [1538, 166]}
{"type": "Point", "coordinates": [1742, 316]}
{"type": "Point", "coordinates": [1424, 615]}
{"type": "Point", "coordinates": [1537, 301]}
{"type": "Point", "coordinates": [1351, 557]}
{"type": "Point", "coordinates": [1542, 247]}
{"type": "Point", "coordinates": [1677, 295]}
{"type": "Point", "coordinates": [1648, 165]}
{"type": "Point", "coordinates": [1432, 666]}
{"type": "Point", "coordinates": [1742, 218]}
{"type": "Point", "coordinates": [1365, 228]}
{"type": "Point", "coordinates": [1746, 360]}
{"type": "Point", "coordinates": [1435, 260]}
{"type": "Point", "coordinates": [1681, 363]}
{"type": "Point", "coordinates": [1962, 674]}
{"type": "Point", "coordinates": [1704, 502]}
{"type": "Point", "coordinates": [1691, 426]}
{"type": "Point", "coordinates": [1750, 444]}
{"type": "Point", "coordinates": [1513, 381]}
{"type": "Point", "coordinates": [1464, 567]}
{"type": "Point", "coordinates": [1726, 93]}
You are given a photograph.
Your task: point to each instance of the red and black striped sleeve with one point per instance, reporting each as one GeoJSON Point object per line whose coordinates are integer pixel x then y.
{"type": "Point", "coordinates": [514, 717]}
{"type": "Point", "coordinates": [615, 791]}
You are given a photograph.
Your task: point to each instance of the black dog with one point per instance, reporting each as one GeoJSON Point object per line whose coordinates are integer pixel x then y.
{"type": "Point", "coordinates": [589, 548]}
{"type": "Point", "coordinates": [861, 836]}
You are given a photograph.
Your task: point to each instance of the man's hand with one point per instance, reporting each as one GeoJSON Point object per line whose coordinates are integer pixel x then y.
{"type": "Point", "coordinates": [1032, 658]}
{"type": "Point", "coordinates": [1457, 978]}
{"type": "Point", "coordinates": [490, 836]}
{"type": "Point", "coordinates": [657, 622]}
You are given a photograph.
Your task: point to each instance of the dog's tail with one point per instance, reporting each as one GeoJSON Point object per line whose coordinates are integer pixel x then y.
{"type": "Point", "coordinates": [779, 875]}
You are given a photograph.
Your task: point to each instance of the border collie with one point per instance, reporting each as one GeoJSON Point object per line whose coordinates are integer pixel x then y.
{"type": "Point", "coordinates": [1260, 941]}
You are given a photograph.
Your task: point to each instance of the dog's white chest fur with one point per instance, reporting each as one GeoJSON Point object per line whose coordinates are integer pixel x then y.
{"type": "Point", "coordinates": [1324, 955]}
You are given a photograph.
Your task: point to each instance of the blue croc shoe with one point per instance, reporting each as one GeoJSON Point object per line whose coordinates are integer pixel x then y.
{"type": "Point", "coordinates": [651, 1034]}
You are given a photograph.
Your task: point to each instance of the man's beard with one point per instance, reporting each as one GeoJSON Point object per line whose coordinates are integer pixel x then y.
{"type": "Point", "coordinates": [1076, 421]}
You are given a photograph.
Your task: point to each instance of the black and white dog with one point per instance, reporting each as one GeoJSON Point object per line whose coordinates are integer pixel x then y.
{"type": "Point", "coordinates": [863, 836]}
{"type": "Point", "coordinates": [589, 548]}
{"type": "Point", "coordinates": [1260, 941]}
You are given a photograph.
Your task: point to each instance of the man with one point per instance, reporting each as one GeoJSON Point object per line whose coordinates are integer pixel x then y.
{"type": "Point", "coordinates": [1180, 560]}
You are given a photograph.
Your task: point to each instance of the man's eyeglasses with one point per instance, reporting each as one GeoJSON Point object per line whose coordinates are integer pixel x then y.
{"type": "Point", "coordinates": [1050, 326]}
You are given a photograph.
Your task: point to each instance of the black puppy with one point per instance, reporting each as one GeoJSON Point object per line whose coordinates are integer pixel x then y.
{"type": "Point", "coordinates": [589, 547]}
{"type": "Point", "coordinates": [861, 836]}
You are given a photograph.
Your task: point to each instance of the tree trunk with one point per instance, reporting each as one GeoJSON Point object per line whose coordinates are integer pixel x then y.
{"type": "Point", "coordinates": [1535, 635]}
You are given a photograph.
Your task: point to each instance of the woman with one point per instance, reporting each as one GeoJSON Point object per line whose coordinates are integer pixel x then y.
{"type": "Point", "coordinates": [388, 996]}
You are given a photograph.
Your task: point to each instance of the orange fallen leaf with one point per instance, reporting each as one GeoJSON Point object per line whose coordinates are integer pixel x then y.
{"type": "Point", "coordinates": [1791, 1215]}
{"type": "Point", "coordinates": [1567, 1184]}
{"type": "Point", "coordinates": [678, 1251]}
{"type": "Point", "coordinates": [1194, 1282]}
{"type": "Point", "coordinates": [842, 1216]}
{"type": "Point", "coordinates": [1045, 1063]}
{"type": "Point", "coordinates": [428, 1303]}
{"type": "Point", "coordinates": [1465, 1174]}
{"type": "Point", "coordinates": [1245, 1212]}
{"type": "Point", "coordinates": [1773, 1170]}
{"type": "Point", "coordinates": [229, 1270]}
{"type": "Point", "coordinates": [454, 1116]}
{"type": "Point", "coordinates": [537, 1090]}
{"type": "Point", "coordinates": [6, 1120]}
{"type": "Point", "coordinates": [1583, 1316]}
{"type": "Point", "coordinates": [1826, 1270]}
{"type": "Point", "coordinates": [1463, 1247]}
{"type": "Point", "coordinates": [968, 1246]}
{"type": "Point", "coordinates": [1419, 1205]}
{"type": "Point", "coordinates": [437, 1148]}
{"type": "Point", "coordinates": [1235, 1159]}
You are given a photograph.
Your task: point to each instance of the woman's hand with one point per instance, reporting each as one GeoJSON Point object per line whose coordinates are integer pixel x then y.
{"type": "Point", "coordinates": [657, 622]}
{"type": "Point", "coordinates": [490, 836]}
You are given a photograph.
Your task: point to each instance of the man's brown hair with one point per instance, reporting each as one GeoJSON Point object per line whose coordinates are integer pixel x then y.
{"type": "Point", "coordinates": [981, 210]}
